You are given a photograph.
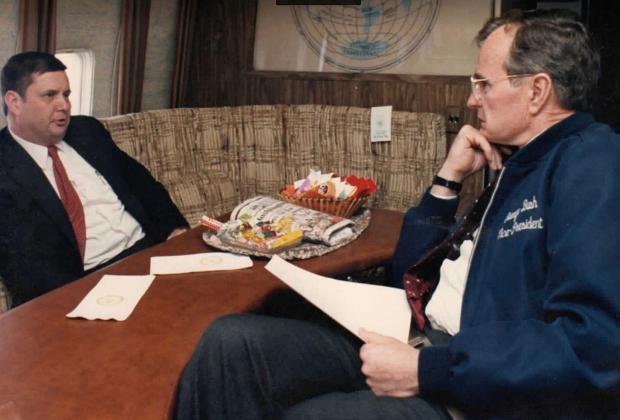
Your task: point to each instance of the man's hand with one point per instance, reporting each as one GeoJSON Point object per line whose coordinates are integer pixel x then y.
{"type": "Point", "coordinates": [390, 366]}
{"type": "Point", "coordinates": [470, 152]}
{"type": "Point", "coordinates": [176, 232]}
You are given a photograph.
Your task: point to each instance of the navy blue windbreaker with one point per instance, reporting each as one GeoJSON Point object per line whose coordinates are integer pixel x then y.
{"type": "Point", "coordinates": [540, 324]}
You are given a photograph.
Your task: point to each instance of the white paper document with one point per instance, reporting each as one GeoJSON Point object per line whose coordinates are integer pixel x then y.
{"type": "Point", "coordinates": [208, 261]}
{"type": "Point", "coordinates": [114, 297]}
{"type": "Point", "coordinates": [380, 309]}
{"type": "Point", "coordinates": [380, 123]}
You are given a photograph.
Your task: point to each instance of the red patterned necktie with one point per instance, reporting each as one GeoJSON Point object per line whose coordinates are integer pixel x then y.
{"type": "Point", "coordinates": [70, 199]}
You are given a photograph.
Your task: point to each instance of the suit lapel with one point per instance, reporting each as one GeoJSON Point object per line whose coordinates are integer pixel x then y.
{"type": "Point", "coordinates": [25, 172]}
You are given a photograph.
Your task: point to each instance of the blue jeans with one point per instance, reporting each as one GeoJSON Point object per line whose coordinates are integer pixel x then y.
{"type": "Point", "coordinates": [250, 366]}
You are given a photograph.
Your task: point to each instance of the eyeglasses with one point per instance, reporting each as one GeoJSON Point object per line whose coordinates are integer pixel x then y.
{"type": "Point", "coordinates": [480, 86]}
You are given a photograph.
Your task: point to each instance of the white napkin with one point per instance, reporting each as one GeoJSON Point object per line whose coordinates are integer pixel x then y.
{"type": "Point", "coordinates": [114, 297]}
{"type": "Point", "coordinates": [208, 261]}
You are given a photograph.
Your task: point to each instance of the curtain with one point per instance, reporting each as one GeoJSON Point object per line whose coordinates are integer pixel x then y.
{"type": "Point", "coordinates": [38, 25]}
{"type": "Point", "coordinates": [132, 53]}
{"type": "Point", "coordinates": [185, 32]}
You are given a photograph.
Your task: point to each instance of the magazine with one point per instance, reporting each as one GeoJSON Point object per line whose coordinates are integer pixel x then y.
{"type": "Point", "coordinates": [315, 226]}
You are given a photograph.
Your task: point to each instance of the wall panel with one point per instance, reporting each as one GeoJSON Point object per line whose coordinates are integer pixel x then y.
{"type": "Point", "coordinates": [160, 50]}
{"type": "Point", "coordinates": [92, 24]}
{"type": "Point", "coordinates": [221, 74]}
{"type": "Point", "coordinates": [9, 18]}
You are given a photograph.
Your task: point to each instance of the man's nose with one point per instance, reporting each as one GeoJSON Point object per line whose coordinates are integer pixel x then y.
{"type": "Point", "coordinates": [472, 102]}
{"type": "Point", "coordinates": [63, 103]}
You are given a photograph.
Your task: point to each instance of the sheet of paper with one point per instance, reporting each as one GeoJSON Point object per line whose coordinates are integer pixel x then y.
{"type": "Point", "coordinates": [354, 305]}
{"type": "Point", "coordinates": [114, 297]}
{"type": "Point", "coordinates": [208, 261]}
{"type": "Point", "coordinates": [380, 123]}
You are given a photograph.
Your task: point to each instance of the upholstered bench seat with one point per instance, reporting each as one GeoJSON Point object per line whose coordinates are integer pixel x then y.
{"type": "Point", "coordinates": [211, 158]}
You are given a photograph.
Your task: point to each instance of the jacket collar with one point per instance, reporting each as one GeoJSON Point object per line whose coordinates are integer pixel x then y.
{"type": "Point", "coordinates": [549, 138]}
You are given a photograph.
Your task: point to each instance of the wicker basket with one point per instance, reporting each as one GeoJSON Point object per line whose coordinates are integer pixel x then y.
{"type": "Point", "coordinates": [342, 208]}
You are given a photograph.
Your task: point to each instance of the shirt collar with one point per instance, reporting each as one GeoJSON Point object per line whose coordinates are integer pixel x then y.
{"type": "Point", "coordinates": [36, 151]}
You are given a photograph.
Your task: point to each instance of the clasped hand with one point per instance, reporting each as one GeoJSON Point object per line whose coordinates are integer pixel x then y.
{"type": "Point", "coordinates": [469, 153]}
{"type": "Point", "coordinates": [390, 366]}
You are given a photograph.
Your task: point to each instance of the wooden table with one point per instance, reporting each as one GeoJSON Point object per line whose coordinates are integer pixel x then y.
{"type": "Point", "coordinates": [53, 367]}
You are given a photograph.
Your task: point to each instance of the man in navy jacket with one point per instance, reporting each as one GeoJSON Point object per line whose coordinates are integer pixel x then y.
{"type": "Point", "coordinates": [537, 326]}
{"type": "Point", "coordinates": [125, 208]}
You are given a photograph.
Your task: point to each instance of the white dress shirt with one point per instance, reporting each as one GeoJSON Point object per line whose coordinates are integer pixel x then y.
{"type": "Point", "coordinates": [110, 229]}
{"type": "Point", "coordinates": [443, 310]}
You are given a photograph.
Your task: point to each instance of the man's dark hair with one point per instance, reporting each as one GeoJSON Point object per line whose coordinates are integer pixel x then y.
{"type": "Point", "coordinates": [553, 42]}
{"type": "Point", "coordinates": [17, 72]}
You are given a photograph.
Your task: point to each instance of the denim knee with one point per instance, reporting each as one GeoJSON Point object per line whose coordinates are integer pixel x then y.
{"type": "Point", "coordinates": [227, 330]}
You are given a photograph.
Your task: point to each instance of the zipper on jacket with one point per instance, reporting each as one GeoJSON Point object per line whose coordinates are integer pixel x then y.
{"type": "Point", "coordinates": [484, 216]}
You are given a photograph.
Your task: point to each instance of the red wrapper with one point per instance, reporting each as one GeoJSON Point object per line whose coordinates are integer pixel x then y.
{"type": "Point", "coordinates": [365, 186]}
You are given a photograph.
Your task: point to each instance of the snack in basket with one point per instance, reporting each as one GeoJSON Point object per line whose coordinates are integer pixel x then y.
{"type": "Point", "coordinates": [339, 195]}
{"type": "Point", "coordinates": [328, 185]}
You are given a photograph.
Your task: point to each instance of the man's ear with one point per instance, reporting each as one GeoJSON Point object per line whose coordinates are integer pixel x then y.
{"type": "Point", "coordinates": [13, 101]}
{"type": "Point", "coordinates": [541, 90]}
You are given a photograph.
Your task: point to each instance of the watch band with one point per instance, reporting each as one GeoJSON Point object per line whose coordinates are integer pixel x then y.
{"type": "Point", "coordinates": [453, 185]}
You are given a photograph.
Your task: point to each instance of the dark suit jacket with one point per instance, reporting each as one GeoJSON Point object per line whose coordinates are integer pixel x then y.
{"type": "Point", "coordinates": [38, 249]}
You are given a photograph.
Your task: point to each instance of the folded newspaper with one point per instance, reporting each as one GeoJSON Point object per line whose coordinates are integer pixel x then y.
{"type": "Point", "coordinates": [268, 216]}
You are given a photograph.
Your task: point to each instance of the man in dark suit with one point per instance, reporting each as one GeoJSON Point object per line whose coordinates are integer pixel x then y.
{"type": "Point", "coordinates": [70, 200]}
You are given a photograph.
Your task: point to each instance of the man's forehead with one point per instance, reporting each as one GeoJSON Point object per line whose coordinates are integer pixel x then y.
{"type": "Point", "coordinates": [50, 79]}
{"type": "Point", "coordinates": [494, 50]}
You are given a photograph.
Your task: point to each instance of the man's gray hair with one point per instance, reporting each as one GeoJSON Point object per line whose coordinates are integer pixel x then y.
{"type": "Point", "coordinates": [554, 42]}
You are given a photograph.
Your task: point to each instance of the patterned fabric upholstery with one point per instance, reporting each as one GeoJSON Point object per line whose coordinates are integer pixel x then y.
{"type": "Point", "coordinates": [183, 150]}
{"type": "Point", "coordinates": [210, 159]}
{"type": "Point", "coordinates": [5, 299]}
{"type": "Point", "coordinates": [337, 139]}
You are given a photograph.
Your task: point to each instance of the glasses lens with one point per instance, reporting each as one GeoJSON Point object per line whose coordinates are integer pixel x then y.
{"type": "Point", "coordinates": [475, 90]}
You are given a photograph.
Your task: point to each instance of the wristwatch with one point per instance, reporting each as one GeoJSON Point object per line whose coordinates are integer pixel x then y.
{"type": "Point", "coordinates": [453, 185]}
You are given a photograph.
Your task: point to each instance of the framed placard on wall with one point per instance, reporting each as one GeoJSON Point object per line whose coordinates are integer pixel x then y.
{"type": "Point", "coordinates": [425, 37]}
